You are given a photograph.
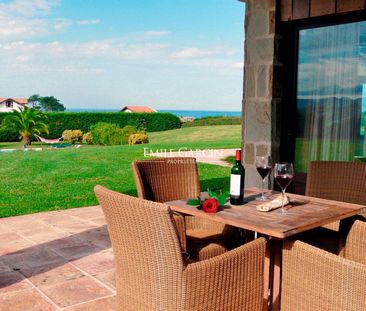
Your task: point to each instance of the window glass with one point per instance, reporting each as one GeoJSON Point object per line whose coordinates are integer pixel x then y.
{"type": "Point", "coordinates": [331, 94]}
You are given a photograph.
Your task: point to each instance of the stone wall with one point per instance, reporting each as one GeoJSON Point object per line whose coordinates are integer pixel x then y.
{"type": "Point", "coordinates": [258, 98]}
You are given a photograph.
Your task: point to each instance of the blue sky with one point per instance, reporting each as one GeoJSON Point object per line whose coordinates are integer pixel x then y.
{"type": "Point", "coordinates": [182, 54]}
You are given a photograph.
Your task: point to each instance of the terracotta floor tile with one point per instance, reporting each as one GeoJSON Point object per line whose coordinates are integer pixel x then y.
{"type": "Point", "coordinates": [25, 300]}
{"type": "Point", "coordinates": [12, 281]}
{"type": "Point", "coordinates": [15, 220]}
{"type": "Point", "coordinates": [98, 236]}
{"type": "Point", "coordinates": [75, 291]}
{"type": "Point", "coordinates": [12, 242]}
{"type": "Point", "coordinates": [24, 225]}
{"type": "Point", "coordinates": [77, 227]}
{"type": "Point", "coordinates": [99, 221]}
{"type": "Point", "coordinates": [4, 266]}
{"type": "Point", "coordinates": [32, 258]}
{"type": "Point", "coordinates": [73, 248]}
{"type": "Point", "coordinates": [108, 278]}
{"type": "Point", "coordinates": [96, 263]}
{"type": "Point", "coordinates": [105, 304]}
{"type": "Point", "coordinates": [50, 274]}
{"type": "Point", "coordinates": [51, 234]}
{"type": "Point", "coordinates": [87, 213]}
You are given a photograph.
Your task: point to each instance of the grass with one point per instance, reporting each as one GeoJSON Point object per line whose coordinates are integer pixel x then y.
{"type": "Point", "coordinates": [65, 178]}
{"type": "Point", "coordinates": [230, 159]}
{"type": "Point", "coordinates": [333, 150]}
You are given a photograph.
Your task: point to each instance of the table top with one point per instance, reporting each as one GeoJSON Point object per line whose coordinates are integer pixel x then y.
{"type": "Point", "coordinates": [304, 213]}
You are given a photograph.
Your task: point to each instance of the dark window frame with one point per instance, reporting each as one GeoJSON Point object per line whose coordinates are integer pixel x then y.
{"type": "Point", "coordinates": [289, 54]}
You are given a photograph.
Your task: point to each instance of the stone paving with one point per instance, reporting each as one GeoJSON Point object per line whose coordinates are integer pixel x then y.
{"type": "Point", "coordinates": [60, 260]}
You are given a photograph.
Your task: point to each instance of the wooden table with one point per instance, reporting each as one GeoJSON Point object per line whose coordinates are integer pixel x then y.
{"type": "Point", "coordinates": [304, 213]}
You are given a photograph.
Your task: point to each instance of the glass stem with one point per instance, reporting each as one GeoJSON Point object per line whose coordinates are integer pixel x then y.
{"type": "Point", "coordinates": [263, 187]}
{"type": "Point", "coordinates": [283, 198]}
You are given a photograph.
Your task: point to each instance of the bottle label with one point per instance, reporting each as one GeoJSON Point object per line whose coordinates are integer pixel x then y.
{"type": "Point", "coordinates": [235, 184]}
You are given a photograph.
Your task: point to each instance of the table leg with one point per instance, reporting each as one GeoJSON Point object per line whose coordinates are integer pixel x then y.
{"type": "Point", "coordinates": [275, 274]}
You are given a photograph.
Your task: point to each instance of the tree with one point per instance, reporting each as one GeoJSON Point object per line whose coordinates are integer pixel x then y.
{"type": "Point", "coordinates": [34, 100]}
{"type": "Point", "coordinates": [27, 122]}
{"type": "Point", "coordinates": [50, 103]}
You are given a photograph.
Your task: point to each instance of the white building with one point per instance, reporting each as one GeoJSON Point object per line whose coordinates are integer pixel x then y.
{"type": "Point", "coordinates": [11, 104]}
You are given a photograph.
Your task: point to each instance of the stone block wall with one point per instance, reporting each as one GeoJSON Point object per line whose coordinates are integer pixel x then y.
{"type": "Point", "coordinates": [258, 98]}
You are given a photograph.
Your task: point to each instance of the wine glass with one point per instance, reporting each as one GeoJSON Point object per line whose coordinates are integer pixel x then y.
{"type": "Point", "coordinates": [264, 167]}
{"type": "Point", "coordinates": [283, 173]}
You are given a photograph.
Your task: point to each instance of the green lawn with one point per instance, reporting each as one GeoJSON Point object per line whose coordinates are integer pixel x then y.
{"type": "Point", "coordinates": [64, 178]}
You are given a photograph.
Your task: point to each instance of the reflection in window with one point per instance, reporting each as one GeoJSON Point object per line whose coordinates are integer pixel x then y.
{"type": "Point", "coordinates": [331, 93]}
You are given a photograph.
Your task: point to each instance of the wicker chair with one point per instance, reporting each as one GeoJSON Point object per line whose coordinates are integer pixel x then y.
{"type": "Point", "coordinates": [152, 274]}
{"type": "Point", "coordinates": [163, 180]}
{"type": "Point", "coordinates": [315, 280]}
{"type": "Point", "coordinates": [339, 181]}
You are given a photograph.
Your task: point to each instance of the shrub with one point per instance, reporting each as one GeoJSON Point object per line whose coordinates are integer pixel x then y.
{"type": "Point", "coordinates": [87, 138]}
{"type": "Point", "coordinates": [128, 130]}
{"type": "Point", "coordinates": [213, 121]}
{"type": "Point", "coordinates": [60, 121]}
{"type": "Point", "coordinates": [111, 134]}
{"type": "Point", "coordinates": [138, 138]}
{"type": "Point", "coordinates": [72, 136]}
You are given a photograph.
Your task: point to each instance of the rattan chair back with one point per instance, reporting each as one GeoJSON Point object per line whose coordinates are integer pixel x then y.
{"type": "Point", "coordinates": [336, 180]}
{"type": "Point", "coordinates": [148, 258]}
{"type": "Point", "coordinates": [166, 179]}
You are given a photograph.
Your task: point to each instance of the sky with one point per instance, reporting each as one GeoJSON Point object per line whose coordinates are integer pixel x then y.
{"type": "Point", "coordinates": [94, 54]}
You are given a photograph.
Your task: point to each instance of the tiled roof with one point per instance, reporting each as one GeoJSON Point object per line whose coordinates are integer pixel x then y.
{"type": "Point", "coordinates": [21, 101]}
{"type": "Point", "coordinates": [139, 109]}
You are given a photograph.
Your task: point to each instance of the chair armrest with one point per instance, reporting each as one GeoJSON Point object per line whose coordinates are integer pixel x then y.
{"type": "Point", "coordinates": [313, 279]}
{"type": "Point", "coordinates": [355, 246]}
{"type": "Point", "coordinates": [231, 281]}
{"type": "Point", "coordinates": [181, 230]}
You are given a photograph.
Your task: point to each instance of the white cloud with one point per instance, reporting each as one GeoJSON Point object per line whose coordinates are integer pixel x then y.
{"type": "Point", "coordinates": [24, 18]}
{"type": "Point", "coordinates": [89, 22]}
{"type": "Point", "coordinates": [237, 65]}
{"type": "Point", "coordinates": [28, 8]}
{"type": "Point", "coordinates": [191, 53]}
{"type": "Point", "coordinates": [61, 24]}
{"type": "Point", "coordinates": [156, 33]}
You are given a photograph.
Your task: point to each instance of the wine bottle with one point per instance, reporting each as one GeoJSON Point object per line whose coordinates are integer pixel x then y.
{"type": "Point", "coordinates": [237, 181]}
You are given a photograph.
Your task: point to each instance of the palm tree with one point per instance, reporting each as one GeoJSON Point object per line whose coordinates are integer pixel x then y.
{"type": "Point", "coordinates": [27, 121]}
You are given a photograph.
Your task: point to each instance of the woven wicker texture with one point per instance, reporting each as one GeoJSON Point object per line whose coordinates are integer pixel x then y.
{"type": "Point", "coordinates": [169, 179]}
{"type": "Point", "coordinates": [315, 280]}
{"type": "Point", "coordinates": [151, 273]}
{"type": "Point", "coordinates": [336, 180]}
{"type": "Point", "coordinates": [355, 248]}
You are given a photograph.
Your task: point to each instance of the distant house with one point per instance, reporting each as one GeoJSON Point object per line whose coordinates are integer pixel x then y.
{"type": "Point", "coordinates": [11, 104]}
{"type": "Point", "coordinates": [138, 109]}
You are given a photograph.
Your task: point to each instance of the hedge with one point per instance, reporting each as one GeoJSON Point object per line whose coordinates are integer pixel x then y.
{"type": "Point", "coordinates": [213, 121]}
{"type": "Point", "coordinates": [60, 121]}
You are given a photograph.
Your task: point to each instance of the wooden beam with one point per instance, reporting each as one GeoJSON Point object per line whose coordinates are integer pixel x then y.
{"type": "Point", "coordinates": [350, 5]}
{"type": "Point", "coordinates": [300, 9]}
{"type": "Point", "coordinates": [323, 7]}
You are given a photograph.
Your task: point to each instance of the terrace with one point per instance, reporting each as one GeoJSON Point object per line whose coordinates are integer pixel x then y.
{"type": "Point", "coordinates": [58, 260]}
{"type": "Point", "coordinates": [63, 260]}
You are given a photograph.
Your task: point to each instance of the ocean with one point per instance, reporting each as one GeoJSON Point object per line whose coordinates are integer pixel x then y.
{"type": "Point", "coordinates": [180, 113]}
{"type": "Point", "coordinates": [203, 113]}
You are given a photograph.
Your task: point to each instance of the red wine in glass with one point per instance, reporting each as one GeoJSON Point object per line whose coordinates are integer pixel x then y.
{"type": "Point", "coordinates": [283, 173]}
{"type": "Point", "coordinates": [284, 180]}
{"type": "Point", "coordinates": [264, 166]}
{"type": "Point", "coordinates": [264, 170]}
